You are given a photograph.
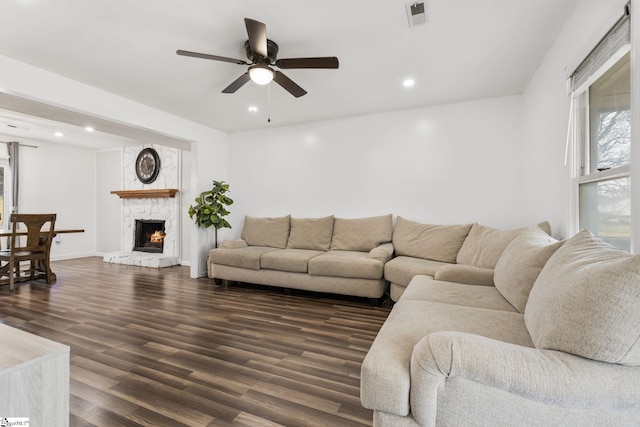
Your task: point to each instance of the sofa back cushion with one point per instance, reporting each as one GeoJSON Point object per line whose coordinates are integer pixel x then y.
{"type": "Point", "coordinates": [520, 264]}
{"type": "Point", "coordinates": [361, 234]}
{"type": "Point", "coordinates": [484, 245]}
{"type": "Point", "coordinates": [586, 302]}
{"type": "Point", "coordinates": [270, 232]}
{"type": "Point", "coordinates": [427, 241]}
{"type": "Point", "coordinates": [311, 233]}
{"type": "Point", "coordinates": [465, 274]}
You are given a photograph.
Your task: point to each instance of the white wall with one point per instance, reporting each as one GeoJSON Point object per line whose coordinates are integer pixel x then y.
{"type": "Point", "coordinates": [60, 179]}
{"type": "Point", "coordinates": [109, 206]}
{"type": "Point", "coordinates": [185, 200]}
{"type": "Point", "coordinates": [546, 113]}
{"type": "Point", "coordinates": [209, 161]}
{"type": "Point", "coordinates": [456, 163]}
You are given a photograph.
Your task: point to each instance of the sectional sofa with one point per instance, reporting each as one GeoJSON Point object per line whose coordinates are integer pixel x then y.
{"type": "Point", "coordinates": [555, 340]}
{"type": "Point", "coordinates": [490, 327]}
{"type": "Point", "coordinates": [355, 256]}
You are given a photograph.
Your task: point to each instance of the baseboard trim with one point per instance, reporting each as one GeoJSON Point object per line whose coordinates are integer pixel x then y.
{"type": "Point", "coordinates": [73, 256]}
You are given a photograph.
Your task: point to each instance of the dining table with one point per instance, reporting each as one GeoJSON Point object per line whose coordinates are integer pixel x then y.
{"type": "Point", "coordinates": [8, 233]}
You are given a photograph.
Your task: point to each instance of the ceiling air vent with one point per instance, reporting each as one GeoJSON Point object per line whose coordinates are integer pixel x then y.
{"type": "Point", "coordinates": [417, 14]}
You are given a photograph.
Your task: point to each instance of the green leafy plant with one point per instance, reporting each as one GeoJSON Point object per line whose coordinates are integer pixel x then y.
{"type": "Point", "coordinates": [210, 208]}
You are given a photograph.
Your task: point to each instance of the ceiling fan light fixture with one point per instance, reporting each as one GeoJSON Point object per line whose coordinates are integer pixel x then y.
{"type": "Point", "coordinates": [261, 74]}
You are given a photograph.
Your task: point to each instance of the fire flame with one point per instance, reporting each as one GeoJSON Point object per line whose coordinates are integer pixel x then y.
{"type": "Point", "coordinates": [157, 237]}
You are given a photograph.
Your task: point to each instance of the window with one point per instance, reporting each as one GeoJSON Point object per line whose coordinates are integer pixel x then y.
{"type": "Point", "coordinates": [603, 187]}
{"type": "Point", "coordinates": [604, 210]}
{"type": "Point", "coordinates": [602, 133]}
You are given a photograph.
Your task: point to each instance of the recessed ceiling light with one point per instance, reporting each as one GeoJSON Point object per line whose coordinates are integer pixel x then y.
{"type": "Point", "coordinates": [408, 83]}
{"type": "Point", "coordinates": [253, 109]}
{"type": "Point", "coordinates": [88, 129]}
{"type": "Point", "coordinates": [58, 134]}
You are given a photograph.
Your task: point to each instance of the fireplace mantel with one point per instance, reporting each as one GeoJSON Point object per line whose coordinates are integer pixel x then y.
{"type": "Point", "coordinates": [145, 194]}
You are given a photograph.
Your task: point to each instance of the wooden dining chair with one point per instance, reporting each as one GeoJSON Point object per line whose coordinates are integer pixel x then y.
{"type": "Point", "coordinates": [32, 243]}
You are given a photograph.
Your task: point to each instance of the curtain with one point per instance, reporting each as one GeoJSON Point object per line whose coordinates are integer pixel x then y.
{"type": "Point", "coordinates": [14, 156]}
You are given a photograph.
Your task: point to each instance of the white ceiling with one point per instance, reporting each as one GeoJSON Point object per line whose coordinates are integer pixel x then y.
{"type": "Point", "coordinates": [469, 49]}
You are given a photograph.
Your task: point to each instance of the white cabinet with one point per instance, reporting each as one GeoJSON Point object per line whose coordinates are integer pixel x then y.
{"type": "Point", "coordinates": [34, 378]}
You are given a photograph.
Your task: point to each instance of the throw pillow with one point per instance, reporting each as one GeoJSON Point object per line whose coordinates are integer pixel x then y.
{"type": "Point", "coordinates": [586, 301]}
{"type": "Point", "coordinates": [361, 234]}
{"type": "Point", "coordinates": [427, 241]}
{"type": "Point", "coordinates": [484, 245]}
{"type": "Point", "coordinates": [521, 263]}
{"type": "Point", "coordinates": [270, 232]}
{"type": "Point", "coordinates": [311, 233]}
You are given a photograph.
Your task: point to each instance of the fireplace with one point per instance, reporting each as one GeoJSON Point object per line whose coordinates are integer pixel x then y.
{"type": "Point", "coordinates": [149, 235]}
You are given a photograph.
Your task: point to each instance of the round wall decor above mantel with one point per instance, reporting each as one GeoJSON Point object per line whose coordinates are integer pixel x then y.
{"type": "Point", "coordinates": [148, 165]}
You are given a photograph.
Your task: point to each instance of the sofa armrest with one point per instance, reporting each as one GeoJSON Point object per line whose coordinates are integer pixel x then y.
{"type": "Point", "coordinates": [466, 274]}
{"type": "Point", "coordinates": [545, 376]}
{"type": "Point", "coordinates": [233, 244]}
{"type": "Point", "coordinates": [382, 252]}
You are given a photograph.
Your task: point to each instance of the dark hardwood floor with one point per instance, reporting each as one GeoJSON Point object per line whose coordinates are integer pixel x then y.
{"type": "Point", "coordinates": [155, 348]}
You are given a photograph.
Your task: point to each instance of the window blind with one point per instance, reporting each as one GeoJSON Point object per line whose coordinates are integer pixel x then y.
{"type": "Point", "coordinates": [612, 47]}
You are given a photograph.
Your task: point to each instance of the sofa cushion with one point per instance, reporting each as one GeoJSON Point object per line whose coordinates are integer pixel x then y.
{"type": "Point", "coordinates": [467, 274]}
{"type": "Point", "coordinates": [436, 242]}
{"type": "Point", "coordinates": [586, 302]}
{"type": "Point", "coordinates": [233, 244]}
{"type": "Point", "coordinates": [521, 263]}
{"type": "Point", "coordinates": [484, 245]}
{"type": "Point", "coordinates": [426, 288]}
{"type": "Point", "coordinates": [293, 260]}
{"type": "Point", "coordinates": [247, 257]}
{"type": "Point", "coordinates": [311, 233]}
{"type": "Point", "coordinates": [270, 232]}
{"type": "Point", "coordinates": [346, 264]}
{"type": "Point", "coordinates": [361, 234]}
{"type": "Point", "coordinates": [402, 269]}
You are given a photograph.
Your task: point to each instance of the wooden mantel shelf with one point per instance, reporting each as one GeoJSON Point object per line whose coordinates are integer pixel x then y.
{"type": "Point", "coordinates": [145, 194]}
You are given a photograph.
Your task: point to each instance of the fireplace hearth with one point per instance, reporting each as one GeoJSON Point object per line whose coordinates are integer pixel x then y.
{"type": "Point", "coordinates": [149, 235]}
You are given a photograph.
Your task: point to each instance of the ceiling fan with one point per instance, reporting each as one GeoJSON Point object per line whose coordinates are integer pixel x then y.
{"type": "Point", "coordinates": [263, 53]}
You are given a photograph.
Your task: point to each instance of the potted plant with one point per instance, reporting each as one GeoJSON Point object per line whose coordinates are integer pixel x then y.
{"type": "Point", "coordinates": [210, 208]}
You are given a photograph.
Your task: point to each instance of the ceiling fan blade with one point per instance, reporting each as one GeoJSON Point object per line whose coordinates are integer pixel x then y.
{"type": "Point", "coordinates": [289, 84]}
{"type": "Point", "coordinates": [323, 62]}
{"type": "Point", "coordinates": [237, 84]}
{"type": "Point", "coordinates": [213, 57]}
{"type": "Point", "coordinates": [257, 32]}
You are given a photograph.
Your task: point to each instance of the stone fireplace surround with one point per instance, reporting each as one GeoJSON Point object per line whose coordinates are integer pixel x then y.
{"type": "Point", "coordinates": [159, 200]}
